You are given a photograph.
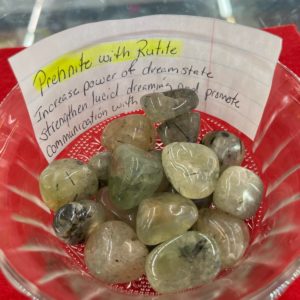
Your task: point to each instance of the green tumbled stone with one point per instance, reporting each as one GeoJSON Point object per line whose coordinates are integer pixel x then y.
{"type": "Point", "coordinates": [136, 130]}
{"type": "Point", "coordinates": [112, 212]}
{"type": "Point", "coordinates": [114, 254]}
{"type": "Point", "coordinates": [192, 169]}
{"type": "Point", "coordinates": [186, 261]}
{"type": "Point", "coordinates": [100, 164]}
{"type": "Point", "coordinates": [184, 128]}
{"type": "Point", "coordinates": [239, 192]}
{"type": "Point", "coordinates": [164, 216]}
{"type": "Point", "coordinates": [67, 180]}
{"type": "Point", "coordinates": [228, 147]}
{"type": "Point", "coordinates": [160, 107]}
{"type": "Point", "coordinates": [134, 175]}
{"type": "Point", "coordinates": [230, 233]}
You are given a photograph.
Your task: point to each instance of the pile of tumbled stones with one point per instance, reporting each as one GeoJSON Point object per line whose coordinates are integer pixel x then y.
{"type": "Point", "coordinates": [176, 215]}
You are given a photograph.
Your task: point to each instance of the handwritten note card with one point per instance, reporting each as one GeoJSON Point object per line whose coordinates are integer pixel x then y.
{"type": "Point", "coordinates": [79, 77]}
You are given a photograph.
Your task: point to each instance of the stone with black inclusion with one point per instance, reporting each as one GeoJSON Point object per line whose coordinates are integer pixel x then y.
{"type": "Point", "coordinates": [160, 107]}
{"type": "Point", "coordinates": [230, 233]}
{"type": "Point", "coordinates": [75, 221]}
{"type": "Point", "coordinates": [183, 262]}
{"type": "Point", "coordinates": [184, 128]}
{"type": "Point", "coordinates": [66, 180]}
{"type": "Point", "coordinates": [228, 147]}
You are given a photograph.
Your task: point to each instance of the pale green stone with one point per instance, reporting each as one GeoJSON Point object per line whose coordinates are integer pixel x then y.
{"type": "Point", "coordinates": [239, 192]}
{"type": "Point", "coordinates": [230, 233]}
{"type": "Point", "coordinates": [228, 147]}
{"type": "Point", "coordinates": [183, 262]}
{"type": "Point", "coordinates": [134, 175]}
{"type": "Point", "coordinates": [112, 212]}
{"type": "Point", "coordinates": [100, 164]}
{"type": "Point", "coordinates": [160, 107]}
{"type": "Point", "coordinates": [192, 169]}
{"type": "Point", "coordinates": [114, 254]}
{"type": "Point", "coordinates": [136, 130]}
{"type": "Point", "coordinates": [164, 216]}
{"type": "Point", "coordinates": [184, 128]}
{"type": "Point", "coordinates": [67, 180]}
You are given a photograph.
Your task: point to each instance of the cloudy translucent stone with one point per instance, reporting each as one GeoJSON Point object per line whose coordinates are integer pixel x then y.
{"type": "Point", "coordinates": [67, 180]}
{"type": "Point", "coordinates": [192, 169]}
{"type": "Point", "coordinates": [136, 130]}
{"type": "Point", "coordinates": [184, 128]}
{"type": "Point", "coordinates": [230, 233]}
{"type": "Point", "coordinates": [75, 221]}
{"type": "Point", "coordinates": [114, 254]}
{"type": "Point", "coordinates": [183, 262]}
{"type": "Point", "coordinates": [100, 163]}
{"type": "Point", "coordinates": [134, 175]}
{"type": "Point", "coordinates": [163, 106]}
{"type": "Point", "coordinates": [239, 192]}
{"type": "Point", "coordinates": [164, 216]}
{"type": "Point", "coordinates": [112, 212]}
{"type": "Point", "coordinates": [228, 147]}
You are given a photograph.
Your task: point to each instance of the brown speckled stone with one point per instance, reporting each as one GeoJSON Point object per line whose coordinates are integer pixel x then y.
{"type": "Point", "coordinates": [114, 254]}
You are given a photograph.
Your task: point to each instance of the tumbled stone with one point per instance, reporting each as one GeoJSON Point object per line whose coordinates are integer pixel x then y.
{"type": "Point", "coordinates": [112, 212]}
{"type": "Point", "coordinates": [192, 169]}
{"type": "Point", "coordinates": [114, 254]}
{"type": "Point", "coordinates": [239, 192]}
{"type": "Point", "coordinates": [134, 175]}
{"type": "Point", "coordinates": [100, 164]}
{"type": "Point", "coordinates": [228, 147]}
{"type": "Point", "coordinates": [230, 233]}
{"type": "Point", "coordinates": [164, 184]}
{"type": "Point", "coordinates": [183, 262]}
{"type": "Point", "coordinates": [136, 130]}
{"type": "Point", "coordinates": [184, 128]}
{"type": "Point", "coordinates": [160, 107]}
{"type": "Point", "coordinates": [75, 221]}
{"type": "Point", "coordinates": [67, 180]}
{"type": "Point", "coordinates": [164, 216]}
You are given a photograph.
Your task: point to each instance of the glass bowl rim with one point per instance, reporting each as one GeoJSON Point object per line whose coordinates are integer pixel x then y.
{"type": "Point", "coordinates": [273, 290]}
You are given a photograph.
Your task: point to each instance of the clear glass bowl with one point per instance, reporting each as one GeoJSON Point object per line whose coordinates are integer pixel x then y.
{"type": "Point", "coordinates": [43, 267]}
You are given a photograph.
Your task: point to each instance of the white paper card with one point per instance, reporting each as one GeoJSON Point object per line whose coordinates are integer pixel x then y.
{"type": "Point", "coordinates": [79, 77]}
